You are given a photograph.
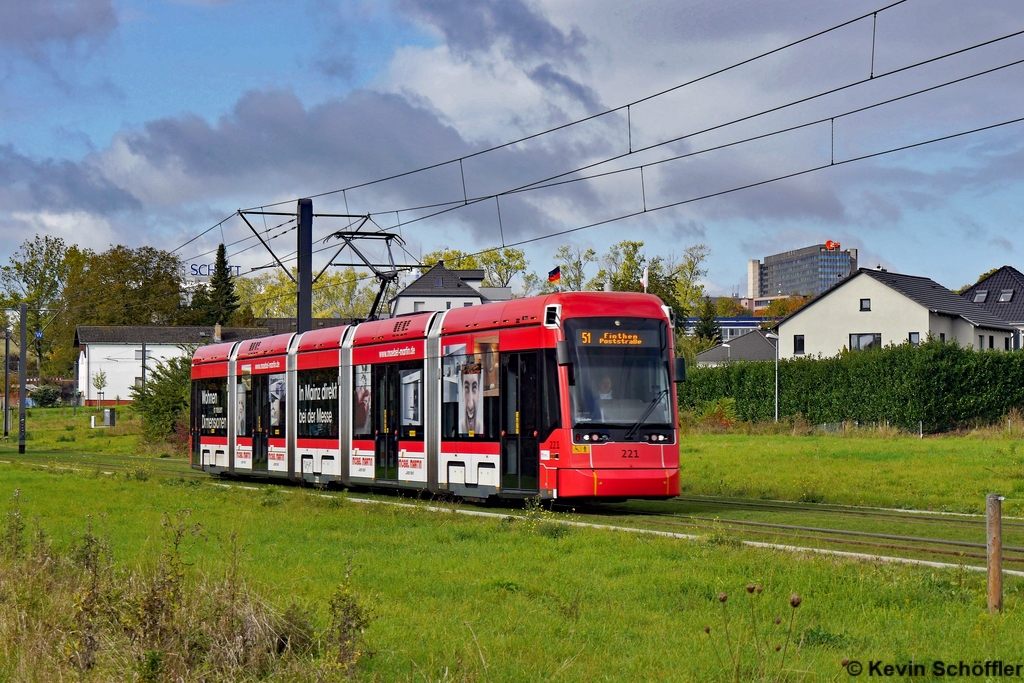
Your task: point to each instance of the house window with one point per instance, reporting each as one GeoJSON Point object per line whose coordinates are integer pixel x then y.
{"type": "Point", "coordinates": [468, 303]}
{"type": "Point", "coordinates": [942, 337]}
{"type": "Point", "coordinates": [991, 342]}
{"type": "Point", "coordinates": [1005, 296]}
{"type": "Point", "coordinates": [862, 342]}
{"type": "Point", "coordinates": [138, 382]}
{"type": "Point", "coordinates": [981, 342]}
{"type": "Point", "coordinates": [1006, 343]}
{"type": "Point", "coordinates": [865, 304]}
{"type": "Point", "coordinates": [138, 354]}
{"type": "Point", "coordinates": [798, 344]}
{"type": "Point", "coordinates": [915, 338]}
{"type": "Point", "coordinates": [980, 296]}
{"type": "Point", "coordinates": [438, 282]}
{"type": "Point", "coordinates": [447, 304]}
{"type": "Point", "coordinates": [417, 306]}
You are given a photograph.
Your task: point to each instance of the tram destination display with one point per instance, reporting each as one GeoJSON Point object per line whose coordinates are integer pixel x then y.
{"type": "Point", "coordinates": [618, 338]}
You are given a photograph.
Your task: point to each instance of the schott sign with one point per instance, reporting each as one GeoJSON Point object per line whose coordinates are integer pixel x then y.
{"type": "Point", "coordinates": [206, 270]}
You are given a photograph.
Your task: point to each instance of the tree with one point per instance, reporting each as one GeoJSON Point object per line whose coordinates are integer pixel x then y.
{"type": "Point", "coordinates": [728, 307]}
{"type": "Point", "coordinates": [573, 262]}
{"type": "Point", "coordinates": [453, 260]}
{"type": "Point", "coordinates": [37, 275]}
{"type": "Point", "coordinates": [502, 265]}
{"type": "Point", "coordinates": [164, 401]}
{"type": "Point", "coordinates": [780, 308]}
{"type": "Point", "coordinates": [344, 293]}
{"type": "Point", "coordinates": [99, 381]}
{"type": "Point", "coordinates": [689, 289]}
{"type": "Point", "coordinates": [980, 278]}
{"type": "Point", "coordinates": [223, 299]}
{"type": "Point", "coordinates": [624, 266]}
{"type": "Point", "coordinates": [707, 326]}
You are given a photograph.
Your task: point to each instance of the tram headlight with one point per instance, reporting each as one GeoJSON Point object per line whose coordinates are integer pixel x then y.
{"type": "Point", "coordinates": [586, 437]}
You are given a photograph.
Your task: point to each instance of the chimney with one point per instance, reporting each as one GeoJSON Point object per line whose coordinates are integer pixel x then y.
{"type": "Point", "coordinates": [216, 333]}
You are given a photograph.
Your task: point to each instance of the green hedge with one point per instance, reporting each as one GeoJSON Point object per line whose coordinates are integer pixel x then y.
{"type": "Point", "coordinates": [940, 385]}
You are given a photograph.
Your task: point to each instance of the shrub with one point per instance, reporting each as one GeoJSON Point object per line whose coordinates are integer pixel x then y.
{"type": "Point", "coordinates": [46, 396]}
{"type": "Point", "coordinates": [941, 385]}
{"type": "Point", "coordinates": [164, 401]}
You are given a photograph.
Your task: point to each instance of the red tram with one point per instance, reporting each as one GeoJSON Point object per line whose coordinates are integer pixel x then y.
{"type": "Point", "coordinates": [562, 396]}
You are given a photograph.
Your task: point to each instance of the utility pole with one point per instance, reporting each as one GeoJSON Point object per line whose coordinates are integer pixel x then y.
{"type": "Point", "coordinates": [304, 288]}
{"type": "Point", "coordinates": [22, 378]}
{"type": "Point", "coordinates": [7, 379]}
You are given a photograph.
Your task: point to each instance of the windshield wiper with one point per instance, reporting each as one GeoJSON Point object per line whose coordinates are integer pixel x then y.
{"type": "Point", "coordinates": [650, 408]}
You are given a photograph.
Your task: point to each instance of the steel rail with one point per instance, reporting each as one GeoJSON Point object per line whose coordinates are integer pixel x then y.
{"type": "Point", "coordinates": [917, 516]}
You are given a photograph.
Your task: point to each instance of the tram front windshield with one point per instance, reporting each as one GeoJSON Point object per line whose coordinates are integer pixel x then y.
{"type": "Point", "coordinates": [621, 372]}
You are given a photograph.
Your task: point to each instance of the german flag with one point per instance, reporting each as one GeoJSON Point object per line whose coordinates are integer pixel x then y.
{"type": "Point", "coordinates": [555, 275]}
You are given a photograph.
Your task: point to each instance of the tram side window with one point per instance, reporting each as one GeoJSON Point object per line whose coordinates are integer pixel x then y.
{"type": "Point", "coordinates": [410, 393]}
{"type": "Point", "coordinates": [318, 404]}
{"type": "Point", "coordinates": [213, 395]}
{"type": "Point", "coordinates": [276, 394]}
{"type": "Point", "coordinates": [362, 401]}
{"type": "Point", "coordinates": [470, 392]}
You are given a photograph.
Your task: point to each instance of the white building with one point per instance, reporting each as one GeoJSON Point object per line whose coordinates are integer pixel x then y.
{"type": "Point", "coordinates": [440, 289]}
{"type": "Point", "coordinates": [876, 308]}
{"type": "Point", "coordinates": [117, 351]}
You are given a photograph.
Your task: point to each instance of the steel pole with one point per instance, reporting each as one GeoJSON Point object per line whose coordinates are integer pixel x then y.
{"type": "Point", "coordinates": [7, 382]}
{"type": "Point", "coordinates": [994, 538]}
{"type": "Point", "coordinates": [304, 299]}
{"type": "Point", "coordinates": [776, 380]}
{"type": "Point", "coordinates": [22, 379]}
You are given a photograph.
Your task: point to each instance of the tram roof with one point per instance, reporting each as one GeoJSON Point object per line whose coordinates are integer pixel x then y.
{"type": "Point", "coordinates": [276, 345]}
{"type": "Point", "coordinates": [320, 340]}
{"type": "Point", "coordinates": [530, 311]}
{"type": "Point", "coordinates": [392, 329]}
{"type": "Point", "coordinates": [212, 353]}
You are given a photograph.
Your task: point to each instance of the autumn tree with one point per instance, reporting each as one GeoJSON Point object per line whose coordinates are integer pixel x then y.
{"type": "Point", "coordinates": [453, 260]}
{"type": "Point", "coordinates": [728, 307]}
{"type": "Point", "coordinates": [501, 266]}
{"type": "Point", "coordinates": [343, 293]}
{"type": "Point", "coordinates": [780, 308]}
{"type": "Point", "coordinates": [37, 275]}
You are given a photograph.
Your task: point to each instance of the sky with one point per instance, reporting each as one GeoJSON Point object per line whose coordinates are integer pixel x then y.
{"type": "Point", "coordinates": [148, 123]}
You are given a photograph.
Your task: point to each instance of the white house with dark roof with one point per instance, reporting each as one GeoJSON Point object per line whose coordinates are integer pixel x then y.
{"type": "Point", "coordinates": [117, 351]}
{"type": "Point", "coordinates": [1002, 295]}
{"type": "Point", "coordinates": [441, 289]}
{"type": "Point", "coordinates": [876, 308]}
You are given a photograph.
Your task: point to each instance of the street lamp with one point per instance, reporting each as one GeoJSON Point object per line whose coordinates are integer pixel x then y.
{"type": "Point", "coordinates": [772, 335]}
{"type": "Point", "coordinates": [728, 350]}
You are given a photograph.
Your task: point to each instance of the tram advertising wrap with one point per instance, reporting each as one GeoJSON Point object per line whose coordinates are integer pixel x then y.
{"type": "Point", "coordinates": [567, 395]}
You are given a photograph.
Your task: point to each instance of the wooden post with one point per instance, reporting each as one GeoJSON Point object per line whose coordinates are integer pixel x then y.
{"type": "Point", "coordinates": [994, 538]}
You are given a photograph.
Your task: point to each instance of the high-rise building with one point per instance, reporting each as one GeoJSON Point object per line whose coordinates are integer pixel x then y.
{"type": "Point", "coordinates": [807, 272]}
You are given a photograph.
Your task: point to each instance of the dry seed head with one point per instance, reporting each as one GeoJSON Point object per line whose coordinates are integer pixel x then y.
{"type": "Point", "coordinates": [778, 647]}
{"type": "Point", "coordinates": [722, 597]}
{"type": "Point", "coordinates": [758, 588]}
{"type": "Point", "coordinates": [750, 587]}
{"type": "Point", "coordinates": [844, 661]}
{"type": "Point", "coordinates": [777, 620]}
{"type": "Point", "coordinates": [795, 600]}
{"type": "Point", "coordinates": [707, 629]}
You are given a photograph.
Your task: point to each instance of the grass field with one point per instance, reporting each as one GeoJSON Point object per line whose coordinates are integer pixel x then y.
{"type": "Point", "coordinates": [482, 599]}
{"type": "Point", "coordinates": [935, 473]}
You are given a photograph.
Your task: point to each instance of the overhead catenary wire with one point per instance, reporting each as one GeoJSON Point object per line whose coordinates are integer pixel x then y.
{"type": "Point", "coordinates": [605, 112]}
{"type": "Point", "coordinates": [455, 205]}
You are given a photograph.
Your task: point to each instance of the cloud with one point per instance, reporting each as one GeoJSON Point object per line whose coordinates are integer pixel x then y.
{"type": "Point", "coordinates": [35, 27]}
{"type": "Point", "coordinates": [475, 26]}
{"type": "Point", "coordinates": [547, 77]}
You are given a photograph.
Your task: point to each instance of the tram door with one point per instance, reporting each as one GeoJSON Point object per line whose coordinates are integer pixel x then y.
{"type": "Point", "coordinates": [519, 446]}
{"type": "Point", "coordinates": [196, 426]}
{"type": "Point", "coordinates": [385, 421]}
{"type": "Point", "coordinates": [259, 409]}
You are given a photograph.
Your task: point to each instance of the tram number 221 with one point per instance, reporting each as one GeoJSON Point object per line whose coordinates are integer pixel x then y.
{"type": "Point", "coordinates": [630, 453]}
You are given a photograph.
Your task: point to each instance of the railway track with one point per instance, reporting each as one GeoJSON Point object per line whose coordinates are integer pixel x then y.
{"type": "Point", "coordinates": [901, 534]}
